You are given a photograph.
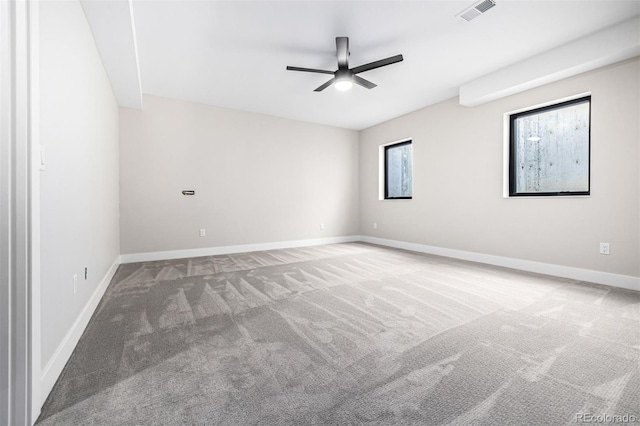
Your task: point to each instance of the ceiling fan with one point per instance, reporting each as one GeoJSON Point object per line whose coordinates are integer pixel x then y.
{"type": "Point", "coordinates": [344, 77]}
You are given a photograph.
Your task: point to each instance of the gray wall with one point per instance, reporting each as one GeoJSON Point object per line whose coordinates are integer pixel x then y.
{"type": "Point", "coordinates": [458, 180]}
{"type": "Point", "coordinates": [79, 188]}
{"type": "Point", "coordinates": [258, 179]}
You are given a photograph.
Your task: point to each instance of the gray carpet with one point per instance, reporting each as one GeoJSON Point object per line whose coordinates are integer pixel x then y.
{"type": "Point", "coordinates": [349, 334]}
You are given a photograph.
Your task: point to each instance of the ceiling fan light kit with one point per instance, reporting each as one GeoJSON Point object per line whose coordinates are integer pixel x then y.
{"type": "Point", "coordinates": [344, 77]}
{"type": "Point", "coordinates": [343, 85]}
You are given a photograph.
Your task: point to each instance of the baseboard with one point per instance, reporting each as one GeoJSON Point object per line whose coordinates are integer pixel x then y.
{"type": "Point", "coordinates": [213, 251]}
{"type": "Point", "coordinates": [598, 277]}
{"type": "Point", "coordinates": [54, 367]}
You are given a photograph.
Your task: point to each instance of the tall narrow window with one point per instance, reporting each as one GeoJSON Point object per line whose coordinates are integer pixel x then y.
{"type": "Point", "coordinates": [549, 150]}
{"type": "Point", "coordinates": [398, 174]}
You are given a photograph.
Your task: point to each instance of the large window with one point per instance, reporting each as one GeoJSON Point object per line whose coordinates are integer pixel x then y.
{"type": "Point", "coordinates": [549, 150]}
{"type": "Point", "coordinates": [397, 171]}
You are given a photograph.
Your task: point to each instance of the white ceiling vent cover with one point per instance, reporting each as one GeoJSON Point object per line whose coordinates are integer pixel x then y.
{"type": "Point", "coordinates": [476, 10]}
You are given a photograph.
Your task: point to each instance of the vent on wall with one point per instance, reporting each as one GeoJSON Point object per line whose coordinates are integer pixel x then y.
{"type": "Point", "coordinates": [476, 10]}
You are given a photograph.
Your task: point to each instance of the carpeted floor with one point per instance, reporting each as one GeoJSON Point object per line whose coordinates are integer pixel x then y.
{"type": "Point", "coordinates": [349, 334]}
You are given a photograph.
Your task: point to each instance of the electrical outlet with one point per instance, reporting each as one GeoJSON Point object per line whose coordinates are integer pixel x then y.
{"type": "Point", "coordinates": [604, 248]}
{"type": "Point", "coordinates": [322, 226]}
{"type": "Point", "coordinates": [375, 225]}
{"type": "Point", "coordinates": [203, 232]}
{"type": "Point", "coordinates": [75, 283]}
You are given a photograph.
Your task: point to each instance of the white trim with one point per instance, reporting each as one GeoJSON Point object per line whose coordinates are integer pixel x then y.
{"type": "Point", "coordinates": [54, 367]}
{"type": "Point", "coordinates": [212, 251]}
{"type": "Point", "coordinates": [34, 59]}
{"type": "Point", "coordinates": [606, 278]}
{"type": "Point", "coordinates": [51, 372]}
{"type": "Point", "coordinates": [15, 212]}
{"type": "Point", "coordinates": [599, 277]}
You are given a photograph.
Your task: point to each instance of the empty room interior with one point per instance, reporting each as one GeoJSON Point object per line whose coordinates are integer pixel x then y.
{"type": "Point", "coordinates": [334, 212]}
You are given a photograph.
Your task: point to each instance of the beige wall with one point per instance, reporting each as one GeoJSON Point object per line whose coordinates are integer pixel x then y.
{"type": "Point", "coordinates": [258, 179]}
{"type": "Point", "coordinates": [79, 188]}
{"type": "Point", "coordinates": [458, 180]}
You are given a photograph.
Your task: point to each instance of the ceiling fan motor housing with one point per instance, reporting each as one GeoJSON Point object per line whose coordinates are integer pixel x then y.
{"type": "Point", "coordinates": [346, 74]}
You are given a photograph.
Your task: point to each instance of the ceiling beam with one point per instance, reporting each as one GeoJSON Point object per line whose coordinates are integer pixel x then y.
{"type": "Point", "coordinates": [613, 44]}
{"type": "Point", "coordinates": [113, 29]}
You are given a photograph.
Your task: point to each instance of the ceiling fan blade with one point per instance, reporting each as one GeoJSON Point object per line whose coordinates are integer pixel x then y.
{"type": "Point", "coordinates": [342, 52]}
{"type": "Point", "coordinates": [309, 70]}
{"type": "Point", "coordinates": [377, 64]}
{"type": "Point", "coordinates": [324, 86]}
{"type": "Point", "coordinates": [364, 83]}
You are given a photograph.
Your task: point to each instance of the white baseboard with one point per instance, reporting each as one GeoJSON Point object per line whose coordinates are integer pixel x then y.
{"type": "Point", "coordinates": [606, 278]}
{"type": "Point", "coordinates": [54, 367]}
{"type": "Point", "coordinates": [598, 277]}
{"type": "Point", "coordinates": [213, 251]}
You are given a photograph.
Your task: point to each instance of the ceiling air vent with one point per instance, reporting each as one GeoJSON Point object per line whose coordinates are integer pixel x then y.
{"type": "Point", "coordinates": [476, 10]}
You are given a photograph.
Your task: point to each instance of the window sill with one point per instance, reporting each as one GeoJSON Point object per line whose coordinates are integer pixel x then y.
{"type": "Point", "coordinates": [546, 197]}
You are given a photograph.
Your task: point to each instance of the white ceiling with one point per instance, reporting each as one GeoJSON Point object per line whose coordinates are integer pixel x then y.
{"type": "Point", "coordinates": [233, 53]}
